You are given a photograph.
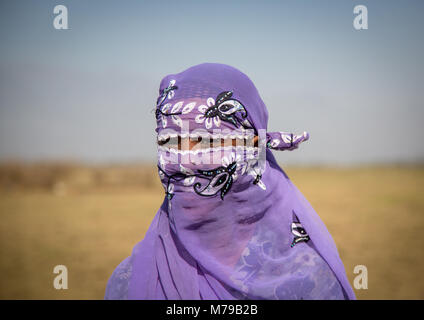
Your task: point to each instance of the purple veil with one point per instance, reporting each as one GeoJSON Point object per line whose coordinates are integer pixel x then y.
{"type": "Point", "coordinates": [235, 228]}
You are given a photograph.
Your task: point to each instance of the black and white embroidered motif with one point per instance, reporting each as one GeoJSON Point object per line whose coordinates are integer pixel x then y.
{"type": "Point", "coordinates": [162, 110]}
{"type": "Point", "coordinates": [299, 233]}
{"type": "Point", "coordinates": [168, 92]}
{"type": "Point", "coordinates": [229, 109]}
{"type": "Point", "coordinates": [220, 180]}
{"type": "Point", "coordinates": [162, 113]}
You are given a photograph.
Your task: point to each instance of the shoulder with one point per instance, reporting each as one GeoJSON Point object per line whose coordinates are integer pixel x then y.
{"type": "Point", "coordinates": [117, 286]}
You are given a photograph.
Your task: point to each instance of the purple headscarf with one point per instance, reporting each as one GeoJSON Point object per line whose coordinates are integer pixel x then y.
{"type": "Point", "coordinates": [233, 227]}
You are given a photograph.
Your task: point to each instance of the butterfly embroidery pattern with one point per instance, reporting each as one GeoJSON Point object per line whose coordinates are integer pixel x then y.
{"type": "Point", "coordinates": [299, 233]}
{"type": "Point", "coordinates": [223, 108]}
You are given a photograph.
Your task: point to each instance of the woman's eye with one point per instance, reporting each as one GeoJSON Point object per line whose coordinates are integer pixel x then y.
{"type": "Point", "coordinates": [163, 141]}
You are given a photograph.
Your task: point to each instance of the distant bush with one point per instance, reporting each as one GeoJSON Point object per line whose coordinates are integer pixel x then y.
{"type": "Point", "coordinates": [64, 177]}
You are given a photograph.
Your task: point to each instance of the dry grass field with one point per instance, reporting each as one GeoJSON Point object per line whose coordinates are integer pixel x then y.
{"type": "Point", "coordinates": [89, 218]}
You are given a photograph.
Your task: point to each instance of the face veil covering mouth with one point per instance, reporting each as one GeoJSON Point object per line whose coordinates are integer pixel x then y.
{"type": "Point", "coordinates": [232, 224]}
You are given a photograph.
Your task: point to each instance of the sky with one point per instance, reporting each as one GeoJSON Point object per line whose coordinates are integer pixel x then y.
{"type": "Point", "coordinates": [87, 93]}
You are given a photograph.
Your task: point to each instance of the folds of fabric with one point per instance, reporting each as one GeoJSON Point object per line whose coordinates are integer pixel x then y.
{"type": "Point", "coordinates": [239, 229]}
{"type": "Point", "coordinates": [173, 273]}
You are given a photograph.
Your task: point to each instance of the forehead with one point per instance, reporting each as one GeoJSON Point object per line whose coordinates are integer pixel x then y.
{"type": "Point", "coordinates": [191, 114]}
{"type": "Point", "coordinates": [192, 103]}
{"type": "Point", "coordinates": [190, 87]}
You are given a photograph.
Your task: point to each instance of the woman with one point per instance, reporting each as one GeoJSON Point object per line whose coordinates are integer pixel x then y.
{"type": "Point", "coordinates": [232, 224]}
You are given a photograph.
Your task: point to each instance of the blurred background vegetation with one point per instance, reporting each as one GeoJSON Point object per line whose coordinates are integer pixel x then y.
{"type": "Point", "coordinates": [90, 217]}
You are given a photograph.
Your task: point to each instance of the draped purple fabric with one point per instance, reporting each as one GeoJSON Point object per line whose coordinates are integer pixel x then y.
{"type": "Point", "coordinates": [235, 227]}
